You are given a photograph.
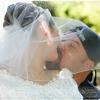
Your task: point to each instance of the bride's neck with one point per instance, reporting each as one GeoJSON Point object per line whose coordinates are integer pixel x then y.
{"type": "Point", "coordinates": [38, 61]}
{"type": "Point", "coordinates": [37, 72]}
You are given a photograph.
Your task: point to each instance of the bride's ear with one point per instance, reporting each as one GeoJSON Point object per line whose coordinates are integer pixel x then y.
{"type": "Point", "coordinates": [43, 28]}
{"type": "Point", "coordinates": [45, 32]}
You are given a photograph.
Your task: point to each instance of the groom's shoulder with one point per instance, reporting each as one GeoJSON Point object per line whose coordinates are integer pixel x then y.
{"type": "Point", "coordinates": [89, 91]}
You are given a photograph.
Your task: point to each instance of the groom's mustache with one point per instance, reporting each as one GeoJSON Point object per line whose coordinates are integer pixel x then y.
{"type": "Point", "coordinates": [54, 65]}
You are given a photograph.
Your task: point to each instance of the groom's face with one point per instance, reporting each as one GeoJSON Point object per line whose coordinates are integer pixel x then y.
{"type": "Point", "coordinates": [74, 56]}
{"type": "Point", "coordinates": [71, 55]}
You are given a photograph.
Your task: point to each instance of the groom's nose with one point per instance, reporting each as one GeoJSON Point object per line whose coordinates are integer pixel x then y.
{"type": "Point", "coordinates": [62, 45]}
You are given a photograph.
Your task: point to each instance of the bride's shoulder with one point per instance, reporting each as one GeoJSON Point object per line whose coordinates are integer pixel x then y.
{"type": "Point", "coordinates": [65, 73]}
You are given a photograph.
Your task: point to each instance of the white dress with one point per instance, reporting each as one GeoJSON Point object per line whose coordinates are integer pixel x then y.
{"type": "Point", "coordinates": [63, 87]}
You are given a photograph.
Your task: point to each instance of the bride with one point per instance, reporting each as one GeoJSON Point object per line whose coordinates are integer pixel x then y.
{"type": "Point", "coordinates": [29, 42]}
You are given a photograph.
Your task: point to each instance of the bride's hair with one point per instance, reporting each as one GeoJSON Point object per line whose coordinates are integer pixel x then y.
{"type": "Point", "coordinates": [24, 13]}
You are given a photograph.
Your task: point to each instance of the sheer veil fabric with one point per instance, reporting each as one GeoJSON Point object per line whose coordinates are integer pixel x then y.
{"type": "Point", "coordinates": [17, 53]}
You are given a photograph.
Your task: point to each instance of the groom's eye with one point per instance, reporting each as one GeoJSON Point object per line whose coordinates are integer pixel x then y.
{"type": "Point", "coordinates": [73, 44]}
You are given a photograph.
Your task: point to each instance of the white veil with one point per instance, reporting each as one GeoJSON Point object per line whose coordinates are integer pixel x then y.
{"type": "Point", "coordinates": [20, 37]}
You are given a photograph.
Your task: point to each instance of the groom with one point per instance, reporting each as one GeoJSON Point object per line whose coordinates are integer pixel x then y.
{"type": "Point", "coordinates": [84, 52]}
{"type": "Point", "coordinates": [74, 52]}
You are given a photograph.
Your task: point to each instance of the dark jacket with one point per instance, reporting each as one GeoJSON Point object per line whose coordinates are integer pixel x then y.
{"type": "Point", "coordinates": [89, 91]}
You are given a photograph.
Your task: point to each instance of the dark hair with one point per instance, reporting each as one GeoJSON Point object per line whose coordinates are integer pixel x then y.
{"type": "Point", "coordinates": [91, 42]}
{"type": "Point", "coordinates": [24, 13]}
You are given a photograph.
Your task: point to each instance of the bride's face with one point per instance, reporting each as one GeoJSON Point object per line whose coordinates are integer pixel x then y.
{"type": "Point", "coordinates": [48, 31]}
{"type": "Point", "coordinates": [51, 46]}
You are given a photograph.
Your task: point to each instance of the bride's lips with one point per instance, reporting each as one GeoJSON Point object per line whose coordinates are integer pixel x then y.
{"type": "Point", "coordinates": [55, 65]}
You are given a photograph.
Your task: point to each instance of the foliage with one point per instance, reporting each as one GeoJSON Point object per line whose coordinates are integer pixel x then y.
{"type": "Point", "coordinates": [86, 11]}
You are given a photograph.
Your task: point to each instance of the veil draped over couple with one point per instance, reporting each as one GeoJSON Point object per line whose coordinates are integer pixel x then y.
{"type": "Point", "coordinates": [30, 52]}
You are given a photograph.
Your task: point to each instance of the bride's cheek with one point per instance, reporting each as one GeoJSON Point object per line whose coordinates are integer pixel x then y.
{"type": "Point", "coordinates": [52, 54]}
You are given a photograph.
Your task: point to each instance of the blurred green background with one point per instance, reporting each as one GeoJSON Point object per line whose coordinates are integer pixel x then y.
{"type": "Point", "coordinates": [86, 11]}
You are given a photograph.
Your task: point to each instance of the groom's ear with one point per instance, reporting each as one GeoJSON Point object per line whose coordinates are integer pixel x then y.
{"type": "Point", "coordinates": [89, 64]}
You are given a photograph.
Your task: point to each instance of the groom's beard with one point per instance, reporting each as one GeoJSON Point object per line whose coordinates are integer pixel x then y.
{"type": "Point", "coordinates": [54, 65]}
